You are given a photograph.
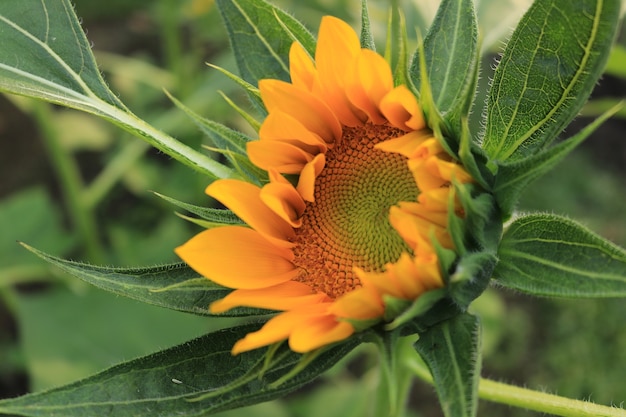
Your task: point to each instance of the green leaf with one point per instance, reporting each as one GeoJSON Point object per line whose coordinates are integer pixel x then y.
{"type": "Point", "coordinates": [45, 55]}
{"type": "Point", "coordinates": [546, 73]}
{"type": "Point", "coordinates": [261, 36]}
{"type": "Point", "coordinates": [513, 177]}
{"type": "Point", "coordinates": [548, 255]}
{"type": "Point", "coordinates": [169, 382]}
{"type": "Point", "coordinates": [212, 215]}
{"type": "Point", "coordinates": [451, 349]}
{"type": "Point", "coordinates": [451, 54]}
{"type": "Point", "coordinates": [173, 286]}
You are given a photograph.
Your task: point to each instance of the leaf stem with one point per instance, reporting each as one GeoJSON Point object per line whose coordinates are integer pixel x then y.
{"type": "Point", "coordinates": [502, 393]}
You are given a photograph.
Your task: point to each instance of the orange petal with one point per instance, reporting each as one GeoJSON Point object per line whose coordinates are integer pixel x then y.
{"type": "Point", "coordinates": [411, 228]}
{"type": "Point", "coordinates": [285, 296]}
{"type": "Point", "coordinates": [448, 170]}
{"type": "Point", "coordinates": [435, 199]}
{"type": "Point", "coordinates": [244, 199]}
{"type": "Point", "coordinates": [401, 109]}
{"type": "Point", "coordinates": [238, 257]}
{"type": "Point", "coordinates": [280, 156]}
{"type": "Point", "coordinates": [372, 80]}
{"type": "Point", "coordinates": [418, 210]}
{"type": "Point", "coordinates": [406, 144]}
{"type": "Point", "coordinates": [278, 328]}
{"type": "Point", "coordinates": [384, 282]}
{"type": "Point", "coordinates": [335, 57]}
{"type": "Point", "coordinates": [301, 67]}
{"type": "Point", "coordinates": [283, 199]}
{"type": "Point", "coordinates": [407, 276]}
{"type": "Point", "coordinates": [306, 182]}
{"type": "Point", "coordinates": [425, 177]}
{"type": "Point", "coordinates": [281, 126]}
{"type": "Point", "coordinates": [312, 112]}
{"type": "Point", "coordinates": [317, 332]}
{"type": "Point", "coordinates": [361, 304]}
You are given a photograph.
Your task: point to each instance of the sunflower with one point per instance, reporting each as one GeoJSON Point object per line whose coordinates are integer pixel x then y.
{"type": "Point", "coordinates": [358, 194]}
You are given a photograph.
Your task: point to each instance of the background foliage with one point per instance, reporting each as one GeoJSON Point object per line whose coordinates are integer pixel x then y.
{"type": "Point", "coordinates": [54, 329]}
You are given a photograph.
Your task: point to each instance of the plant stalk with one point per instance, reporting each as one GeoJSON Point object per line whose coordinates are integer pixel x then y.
{"type": "Point", "coordinates": [528, 399]}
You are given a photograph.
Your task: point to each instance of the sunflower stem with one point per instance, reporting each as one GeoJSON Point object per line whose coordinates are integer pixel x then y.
{"type": "Point", "coordinates": [395, 381]}
{"type": "Point", "coordinates": [526, 398]}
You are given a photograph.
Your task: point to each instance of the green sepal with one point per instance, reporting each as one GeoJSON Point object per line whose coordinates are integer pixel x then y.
{"type": "Point", "coordinates": [174, 286]}
{"type": "Point", "coordinates": [482, 221]}
{"type": "Point", "coordinates": [252, 91]}
{"type": "Point", "coordinates": [406, 311]}
{"type": "Point", "coordinates": [367, 38]}
{"type": "Point", "coordinates": [549, 255]}
{"type": "Point", "coordinates": [261, 36]}
{"type": "Point", "coordinates": [219, 217]}
{"type": "Point", "coordinates": [220, 135]}
{"type": "Point", "coordinates": [197, 378]}
{"type": "Point", "coordinates": [471, 277]}
{"type": "Point", "coordinates": [473, 158]}
{"type": "Point", "coordinates": [550, 66]}
{"type": "Point", "coordinates": [451, 350]}
{"type": "Point", "coordinates": [513, 177]}
{"type": "Point", "coordinates": [450, 52]}
{"type": "Point", "coordinates": [251, 120]}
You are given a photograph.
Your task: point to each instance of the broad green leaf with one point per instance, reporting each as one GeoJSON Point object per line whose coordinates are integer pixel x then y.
{"type": "Point", "coordinates": [513, 177]}
{"type": "Point", "coordinates": [171, 382]}
{"type": "Point", "coordinates": [549, 255]}
{"type": "Point", "coordinates": [261, 36]}
{"type": "Point", "coordinates": [173, 286]}
{"type": "Point", "coordinates": [451, 349]}
{"type": "Point", "coordinates": [451, 54]}
{"type": "Point", "coordinates": [546, 73]}
{"type": "Point", "coordinates": [45, 55]}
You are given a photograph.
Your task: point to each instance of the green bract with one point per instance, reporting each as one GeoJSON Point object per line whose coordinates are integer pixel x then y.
{"type": "Point", "coordinates": [545, 75]}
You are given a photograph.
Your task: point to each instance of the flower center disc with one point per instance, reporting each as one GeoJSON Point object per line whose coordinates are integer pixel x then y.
{"type": "Point", "coordinates": [348, 224]}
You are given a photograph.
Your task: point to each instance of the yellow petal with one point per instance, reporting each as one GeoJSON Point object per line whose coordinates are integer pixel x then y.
{"type": "Point", "coordinates": [436, 199]}
{"type": "Point", "coordinates": [411, 228]}
{"type": "Point", "coordinates": [306, 182]}
{"type": "Point", "coordinates": [280, 156]}
{"type": "Point", "coordinates": [407, 275]}
{"type": "Point", "coordinates": [285, 296]}
{"type": "Point", "coordinates": [384, 282]}
{"type": "Point", "coordinates": [245, 201]}
{"type": "Point", "coordinates": [335, 58]}
{"type": "Point", "coordinates": [401, 109]}
{"type": "Point", "coordinates": [361, 304]}
{"type": "Point", "coordinates": [238, 257]}
{"type": "Point", "coordinates": [278, 328]}
{"type": "Point", "coordinates": [312, 112]}
{"type": "Point", "coordinates": [448, 170]}
{"type": "Point", "coordinates": [317, 332]}
{"type": "Point", "coordinates": [283, 199]}
{"type": "Point", "coordinates": [406, 144]}
{"type": "Point", "coordinates": [419, 210]}
{"type": "Point", "coordinates": [281, 126]}
{"type": "Point", "coordinates": [371, 81]}
{"type": "Point", "coordinates": [301, 67]}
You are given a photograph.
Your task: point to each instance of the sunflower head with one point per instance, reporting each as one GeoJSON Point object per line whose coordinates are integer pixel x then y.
{"type": "Point", "coordinates": [359, 211]}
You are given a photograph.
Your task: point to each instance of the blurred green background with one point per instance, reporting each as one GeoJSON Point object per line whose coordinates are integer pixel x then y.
{"type": "Point", "coordinates": [78, 188]}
